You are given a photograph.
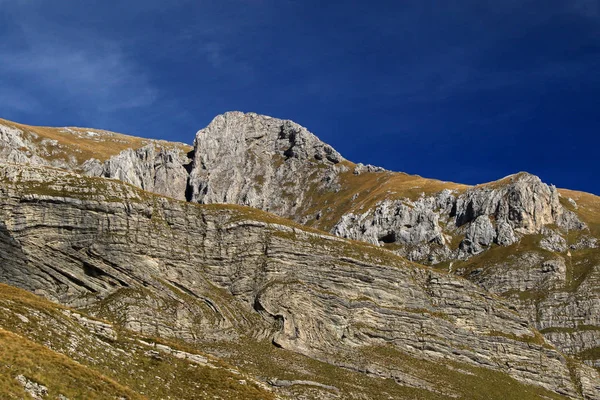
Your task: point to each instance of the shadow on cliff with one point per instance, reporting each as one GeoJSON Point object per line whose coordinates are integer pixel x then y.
{"type": "Point", "coordinates": [14, 266]}
{"type": "Point", "coordinates": [189, 192]}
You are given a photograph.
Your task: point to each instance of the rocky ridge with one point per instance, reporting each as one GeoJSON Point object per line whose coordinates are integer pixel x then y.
{"type": "Point", "coordinates": [518, 237]}
{"type": "Point", "coordinates": [500, 213]}
{"type": "Point", "coordinates": [154, 165]}
{"type": "Point", "coordinates": [129, 256]}
{"type": "Point", "coordinates": [279, 166]}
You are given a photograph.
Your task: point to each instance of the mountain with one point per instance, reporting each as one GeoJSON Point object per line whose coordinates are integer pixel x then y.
{"type": "Point", "coordinates": [322, 294]}
{"type": "Point", "coordinates": [153, 165]}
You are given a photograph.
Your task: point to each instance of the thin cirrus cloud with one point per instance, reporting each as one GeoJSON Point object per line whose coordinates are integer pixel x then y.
{"type": "Point", "coordinates": [92, 73]}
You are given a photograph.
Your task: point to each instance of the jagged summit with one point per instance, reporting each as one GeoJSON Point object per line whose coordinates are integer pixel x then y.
{"type": "Point", "coordinates": [258, 161]}
{"type": "Point", "coordinates": [227, 132]}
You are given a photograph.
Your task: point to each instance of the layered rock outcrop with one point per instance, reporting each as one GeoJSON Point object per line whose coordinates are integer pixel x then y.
{"type": "Point", "coordinates": [161, 171]}
{"type": "Point", "coordinates": [517, 237]}
{"type": "Point", "coordinates": [101, 244]}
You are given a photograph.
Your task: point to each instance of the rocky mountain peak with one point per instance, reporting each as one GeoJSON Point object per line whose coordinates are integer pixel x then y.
{"type": "Point", "coordinates": [211, 273]}
{"type": "Point", "coordinates": [522, 200]}
{"type": "Point", "coordinates": [244, 158]}
{"type": "Point", "coordinates": [241, 133]}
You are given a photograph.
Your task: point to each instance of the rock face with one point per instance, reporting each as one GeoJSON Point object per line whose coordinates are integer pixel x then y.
{"type": "Point", "coordinates": [162, 172]}
{"type": "Point", "coordinates": [520, 200]}
{"type": "Point", "coordinates": [517, 238]}
{"type": "Point", "coordinates": [414, 225]}
{"type": "Point", "coordinates": [258, 161]}
{"type": "Point", "coordinates": [124, 254]}
{"type": "Point", "coordinates": [498, 213]}
{"type": "Point", "coordinates": [152, 165]}
{"type": "Point", "coordinates": [15, 148]}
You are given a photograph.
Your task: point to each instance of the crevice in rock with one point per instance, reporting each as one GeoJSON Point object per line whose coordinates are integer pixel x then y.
{"type": "Point", "coordinates": [73, 279]}
{"type": "Point", "coordinates": [92, 270]}
{"type": "Point", "coordinates": [389, 238]}
{"type": "Point", "coordinates": [183, 289]}
{"type": "Point", "coordinates": [189, 190]}
{"type": "Point", "coordinates": [189, 166]}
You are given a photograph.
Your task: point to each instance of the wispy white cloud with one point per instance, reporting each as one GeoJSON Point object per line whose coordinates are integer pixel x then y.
{"type": "Point", "coordinates": [54, 63]}
{"type": "Point", "coordinates": [101, 75]}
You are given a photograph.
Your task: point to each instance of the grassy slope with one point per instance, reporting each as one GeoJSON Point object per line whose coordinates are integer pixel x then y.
{"type": "Point", "coordinates": [77, 142]}
{"type": "Point", "coordinates": [40, 342]}
{"type": "Point", "coordinates": [60, 374]}
{"type": "Point", "coordinates": [369, 189]}
{"type": "Point", "coordinates": [99, 369]}
{"type": "Point", "coordinates": [588, 208]}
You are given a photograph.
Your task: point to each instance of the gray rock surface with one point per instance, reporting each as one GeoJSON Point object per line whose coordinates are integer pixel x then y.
{"type": "Point", "coordinates": [499, 213]}
{"type": "Point", "coordinates": [159, 171]}
{"type": "Point", "coordinates": [527, 271]}
{"type": "Point", "coordinates": [35, 390]}
{"type": "Point", "coordinates": [259, 161]}
{"type": "Point", "coordinates": [521, 200]}
{"type": "Point", "coordinates": [128, 255]}
{"type": "Point", "coordinates": [549, 267]}
{"type": "Point", "coordinates": [553, 241]}
{"type": "Point", "coordinates": [15, 148]}
{"type": "Point", "coordinates": [480, 234]}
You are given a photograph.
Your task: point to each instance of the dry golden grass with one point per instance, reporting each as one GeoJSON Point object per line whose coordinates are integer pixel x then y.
{"type": "Point", "coordinates": [52, 349]}
{"type": "Point", "coordinates": [588, 207]}
{"type": "Point", "coordinates": [507, 180]}
{"type": "Point", "coordinates": [76, 141]}
{"type": "Point", "coordinates": [60, 374]}
{"type": "Point", "coordinates": [370, 188]}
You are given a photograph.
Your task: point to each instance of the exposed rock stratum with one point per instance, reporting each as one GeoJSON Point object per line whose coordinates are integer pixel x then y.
{"type": "Point", "coordinates": [148, 239]}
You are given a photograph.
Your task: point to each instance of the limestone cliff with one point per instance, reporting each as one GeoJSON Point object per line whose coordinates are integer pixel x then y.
{"type": "Point", "coordinates": [262, 162]}
{"type": "Point", "coordinates": [161, 171]}
{"type": "Point", "coordinates": [226, 273]}
{"type": "Point", "coordinates": [518, 238]}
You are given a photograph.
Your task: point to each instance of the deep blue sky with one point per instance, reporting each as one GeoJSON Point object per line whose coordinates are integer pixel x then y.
{"type": "Point", "coordinates": [463, 90]}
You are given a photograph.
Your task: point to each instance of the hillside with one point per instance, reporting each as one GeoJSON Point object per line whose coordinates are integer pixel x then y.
{"type": "Point", "coordinates": [324, 284]}
{"type": "Point", "coordinates": [154, 165]}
